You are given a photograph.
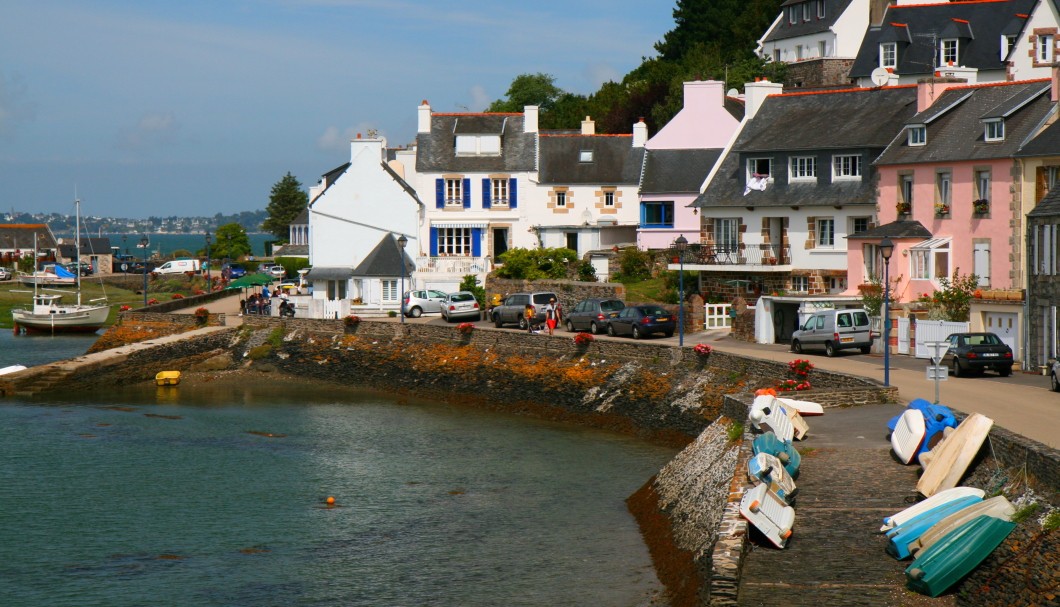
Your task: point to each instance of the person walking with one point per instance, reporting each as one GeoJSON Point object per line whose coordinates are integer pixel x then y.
{"type": "Point", "coordinates": [551, 315]}
{"type": "Point", "coordinates": [529, 313]}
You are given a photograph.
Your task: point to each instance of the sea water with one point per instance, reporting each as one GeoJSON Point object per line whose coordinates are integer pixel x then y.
{"type": "Point", "coordinates": [215, 494]}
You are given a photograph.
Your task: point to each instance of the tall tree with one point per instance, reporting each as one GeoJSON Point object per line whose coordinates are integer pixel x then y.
{"type": "Point", "coordinates": [286, 201]}
{"type": "Point", "coordinates": [232, 242]}
{"type": "Point", "coordinates": [529, 89]}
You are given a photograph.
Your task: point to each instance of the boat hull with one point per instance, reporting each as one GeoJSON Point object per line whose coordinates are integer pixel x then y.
{"type": "Point", "coordinates": [956, 554]}
{"type": "Point", "coordinates": [69, 320]}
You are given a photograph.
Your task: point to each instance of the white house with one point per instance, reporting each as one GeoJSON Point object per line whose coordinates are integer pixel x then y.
{"type": "Point", "coordinates": [355, 213]}
{"type": "Point", "coordinates": [815, 29]}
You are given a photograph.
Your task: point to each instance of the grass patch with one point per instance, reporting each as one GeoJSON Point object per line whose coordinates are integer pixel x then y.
{"type": "Point", "coordinates": [1025, 513]}
{"type": "Point", "coordinates": [735, 432]}
{"type": "Point", "coordinates": [260, 352]}
{"type": "Point", "coordinates": [1052, 521]}
{"type": "Point", "coordinates": [276, 337]}
{"type": "Point", "coordinates": [650, 290]}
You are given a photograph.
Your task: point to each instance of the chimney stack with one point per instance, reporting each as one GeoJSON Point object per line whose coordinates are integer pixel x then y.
{"type": "Point", "coordinates": [931, 88]}
{"type": "Point", "coordinates": [640, 134]}
{"type": "Point", "coordinates": [755, 94]}
{"type": "Point", "coordinates": [530, 118]}
{"type": "Point", "coordinates": [588, 126]}
{"type": "Point", "coordinates": [423, 118]}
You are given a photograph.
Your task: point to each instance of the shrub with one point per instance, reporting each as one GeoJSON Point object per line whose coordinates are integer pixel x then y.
{"type": "Point", "coordinates": [465, 328]}
{"type": "Point", "coordinates": [586, 272]}
{"type": "Point", "coordinates": [125, 308]}
{"type": "Point", "coordinates": [634, 264]}
{"type": "Point", "coordinates": [583, 339]}
{"type": "Point", "coordinates": [392, 314]}
{"type": "Point", "coordinates": [800, 367]}
{"type": "Point", "coordinates": [789, 385]}
{"type": "Point", "coordinates": [177, 296]}
{"type": "Point", "coordinates": [152, 301]}
{"type": "Point", "coordinates": [202, 313]}
{"type": "Point", "coordinates": [470, 284]}
{"type": "Point", "coordinates": [703, 349]}
{"type": "Point", "coordinates": [536, 264]}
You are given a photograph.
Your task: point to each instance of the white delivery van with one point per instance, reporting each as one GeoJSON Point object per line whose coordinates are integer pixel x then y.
{"type": "Point", "coordinates": [834, 330]}
{"type": "Point", "coordinates": [179, 266]}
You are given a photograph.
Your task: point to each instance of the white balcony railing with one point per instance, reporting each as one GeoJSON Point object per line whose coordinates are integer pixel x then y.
{"type": "Point", "coordinates": [454, 264]}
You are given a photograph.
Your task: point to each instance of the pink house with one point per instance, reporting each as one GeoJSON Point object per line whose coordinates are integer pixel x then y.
{"type": "Point", "coordinates": [948, 188]}
{"type": "Point", "coordinates": [679, 158]}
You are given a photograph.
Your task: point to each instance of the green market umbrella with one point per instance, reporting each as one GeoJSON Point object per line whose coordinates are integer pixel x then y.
{"type": "Point", "coordinates": [251, 280]}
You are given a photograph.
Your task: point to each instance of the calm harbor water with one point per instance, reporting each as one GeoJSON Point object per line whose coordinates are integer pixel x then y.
{"type": "Point", "coordinates": [165, 244]}
{"type": "Point", "coordinates": [213, 494]}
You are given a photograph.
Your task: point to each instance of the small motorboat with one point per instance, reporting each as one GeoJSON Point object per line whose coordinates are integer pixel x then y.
{"type": "Point", "coordinates": [784, 451]}
{"type": "Point", "coordinates": [949, 460]}
{"type": "Point", "coordinates": [997, 507]}
{"type": "Point", "coordinates": [12, 369]}
{"type": "Point", "coordinates": [938, 499]}
{"type": "Point", "coordinates": [902, 537]}
{"type": "Point", "coordinates": [956, 554]}
{"type": "Point", "coordinates": [907, 435]}
{"type": "Point", "coordinates": [766, 469]}
{"type": "Point", "coordinates": [768, 415]}
{"type": "Point", "coordinates": [937, 418]}
{"type": "Point", "coordinates": [167, 378]}
{"type": "Point", "coordinates": [769, 513]}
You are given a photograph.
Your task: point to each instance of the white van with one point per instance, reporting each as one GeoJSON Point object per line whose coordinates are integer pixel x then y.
{"type": "Point", "coordinates": [834, 330]}
{"type": "Point", "coordinates": [179, 266]}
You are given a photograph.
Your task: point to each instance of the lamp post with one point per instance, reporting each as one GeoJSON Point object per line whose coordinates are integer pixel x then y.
{"type": "Point", "coordinates": [402, 242]}
{"type": "Point", "coordinates": [886, 249]}
{"type": "Point", "coordinates": [209, 279]}
{"type": "Point", "coordinates": [143, 244]}
{"type": "Point", "coordinates": [681, 243]}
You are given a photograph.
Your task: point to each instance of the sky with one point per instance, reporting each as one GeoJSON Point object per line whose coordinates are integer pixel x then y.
{"type": "Point", "coordinates": [162, 108]}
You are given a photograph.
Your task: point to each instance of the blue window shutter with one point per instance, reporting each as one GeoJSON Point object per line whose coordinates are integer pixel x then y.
{"type": "Point", "coordinates": [439, 193]}
{"type": "Point", "coordinates": [467, 193]}
{"type": "Point", "coordinates": [513, 200]}
{"type": "Point", "coordinates": [476, 242]}
{"type": "Point", "coordinates": [486, 193]}
{"type": "Point", "coordinates": [434, 242]}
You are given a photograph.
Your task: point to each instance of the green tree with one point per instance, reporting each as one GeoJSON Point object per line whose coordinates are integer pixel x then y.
{"type": "Point", "coordinates": [286, 201]}
{"type": "Point", "coordinates": [470, 283]}
{"type": "Point", "coordinates": [955, 296]}
{"type": "Point", "coordinates": [537, 264]}
{"type": "Point", "coordinates": [232, 242]}
{"type": "Point", "coordinates": [529, 89]}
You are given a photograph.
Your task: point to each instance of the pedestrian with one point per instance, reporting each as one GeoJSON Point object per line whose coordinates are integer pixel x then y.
{"type": "Point", "coordinates": [551, 315]}
{"type": "Point", "coordinates": [529, 313]}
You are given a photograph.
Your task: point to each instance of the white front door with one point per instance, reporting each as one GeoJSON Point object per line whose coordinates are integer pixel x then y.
{"type": "Point", "coordinates": [1005, 325]}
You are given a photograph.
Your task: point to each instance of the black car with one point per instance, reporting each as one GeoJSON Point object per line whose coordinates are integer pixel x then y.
{"type": "Point", "coordinates": [592, 314]}
{"type": "Point", "coordinates": [977, 352]}
{"type": "Point", "coordinates": [640, 321]}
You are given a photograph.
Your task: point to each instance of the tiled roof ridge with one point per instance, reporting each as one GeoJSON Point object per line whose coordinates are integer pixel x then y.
{"type": "Point", "coordinates": [476, 113]}
{"type": "Point", "coordinates": [984, 85]}
{"type": "Point", "coordinates": [736, 99]}
{"type": "Point", "coordinates": [22, 225]}
{"type": "Point", "coordinates": [927, 4]}
{"type": "Point", "coordinates": [584, 135]}
{"type": "Point", "coordinates": [850, 90]}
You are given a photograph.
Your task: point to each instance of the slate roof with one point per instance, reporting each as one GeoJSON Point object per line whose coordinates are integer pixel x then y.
{"type": "Point", "coordinates": [329, 179]}
{"type": "Point", "coordinates": [833, 9]}
{"type": "Point", "coordinates": [918, 28]}
{"type": "Point", "coordinates": [436, 151]}
{"type": "Point", "coordinates": [801, 123]}
{"type": "Point", "coordinates": [385, 260]}
{"type": "Point", "coordinates": [1045, 143]}
{"type": "Point", "coordinates": [735, 107]}
{"type": "Point", "coordinates": [19, 236]}
{"type": "Point", "coordinates": [677, 171]}
{"type": "Point", "coordinates": [955, 129]}
{"type": "Point", "coordinates": [1048, 206]}
{"type": "Point", "coordinates": [903, 228]}
{"type": "Point", "coordinates": [89, 246]}
{"type": "Point", "coordinates": [302, 219]}
{"type": "Point", "coordinates": [615, 160]}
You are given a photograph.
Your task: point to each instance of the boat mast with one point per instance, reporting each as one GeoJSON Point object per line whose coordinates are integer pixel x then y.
{"type": "Point", "coordinates": [77, 245]}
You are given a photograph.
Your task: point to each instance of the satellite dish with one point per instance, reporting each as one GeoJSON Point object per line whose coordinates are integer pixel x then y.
{"type": "Point", "coordinates": [733, 93]}
{"type": "Point", "coordinates": [880, 76]}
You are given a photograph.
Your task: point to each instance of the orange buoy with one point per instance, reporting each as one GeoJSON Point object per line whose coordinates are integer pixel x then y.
{"type": "Point", "coordinates": [330, 501]}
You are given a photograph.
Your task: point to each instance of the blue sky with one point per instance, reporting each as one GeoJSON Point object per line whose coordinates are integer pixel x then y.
{"type": "Point", "coordinates": [155, 107]}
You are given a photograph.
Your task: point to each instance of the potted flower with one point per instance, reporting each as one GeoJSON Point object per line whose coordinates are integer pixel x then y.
{"type": "Point", "coordinates": [583, 339]}
{"type": "Point", "coordinates": [152, 302]}
{"type": "Point", "coordinates": [981, 206]}
{"type": "Point", "coordinates": [125, 308]}
{"type": "Point", "coordinates": [941, 209]}
{"type": "Point", "coordinates": [702, 350]}
{"type": "Point", "coordinates": [792, 385]}
{"type": "Point", "coordinates": [177, 296]}
{"type": "Point", "coordinates": [202, 315]}
{"type": "Point", "coordinates": [465, 328]}
{"type": "Point", "coordinates": [352, 320]}
{"type": "Point", "coordinates": [800, 367]}
{"type": "Point", "coordinates": [903, 208]}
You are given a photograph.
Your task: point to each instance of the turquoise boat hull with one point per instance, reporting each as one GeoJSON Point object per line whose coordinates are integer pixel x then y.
{"type": "Point", "coordinates": [785, 452]}
{"type": "Point", "coordinates": [954, 556]}
{"type": "Point", "coordinates": [907, 533]}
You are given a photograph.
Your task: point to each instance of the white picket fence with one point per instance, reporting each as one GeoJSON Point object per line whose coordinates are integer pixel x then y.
{"type": "Point", "coordinates": [935, 330]}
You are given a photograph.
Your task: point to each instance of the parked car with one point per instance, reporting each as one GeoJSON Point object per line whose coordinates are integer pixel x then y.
{"type": "Point", "coordinates": [5, 274]}
{"type": "Point", "coordinates": [418, 303]}
{"type": "Point", "coordinates": [977, 352]}
{"type": "Point", "coordinates": [834, 330]}
{"type": "Point", "coordinates": [461, 305]}
{"type": "Point", "coordinates": [277, 271]}
{"type": "Point", "coordinates": [1054, 376]}
{"type": "Point", "coordinates": [592, 314]}
{"type": "Point", "coordinates": [233, 271]}
{"type": "Point", "coordinates": [179, 266]}
{"type": "Point", "coordinates": [640, 321]}
{"type": "Point", "coordinates": [511, 311]}
{"type": "Point", "coordinates": [75, 267]}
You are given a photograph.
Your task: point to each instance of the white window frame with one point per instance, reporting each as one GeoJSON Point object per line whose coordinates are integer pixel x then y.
{"type": "Point", "coordinates": [1007, 43]}
{"type": "Point", "coordinates": [1044, 51]}
{"type": "Point", "coordinates": [454, 241]}
{"type": "Point", "coordinates": [499, 192]}
{"type": "Point", "coordinates": [820, 9]}
{"type": "Point", "coordinates": [478, 145]}
{"type": "Point", "coordinates": [802, 168]}
{"type": "Point", "coordinates": [944, 188]}
{"type": "Point", "coordinates": [727, 233]}
{"type": "Point", "coordinates": [930, 260]}
{"type": "Point", "coordinates": [585, 156]}
{"type": "Point", "coordinates": [754, 163]}
{"type": "Point", "coordinates": [800, 284]}
{"type": "Point", "coordinates": [389, 290]}
{"type": "Point", "coordinates": [846, 167]}
{"type": "Point", "coordinates": [983, 180]}
{"type": "Point", "coordinates": [889, 55]}
{"type": "Point", "coordinates": [994, 129]}
{"type": "Point", "coordinates": [948, 51]}
{"type": "Point", "coordinates": [872, 262]}
{"type": "Point", "coordinates": [825, 232]}
{"type": "Point", "coordinates": [793, 15]}
{"type": "Point", "coordinates": [454, 191]}
{"type": "Point", "coordinates": [807, 11]}
{"type": "Point", "coordinates": [917, 135]}
{"type": "Point", "coordinates": [906, 189]}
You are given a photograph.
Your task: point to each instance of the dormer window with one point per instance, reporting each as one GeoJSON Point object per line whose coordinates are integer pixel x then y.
{"type": "Point", "coordinates": [1007, 44]}
{"type": "Point", "coordinates": [820, 9]}
{"type": "Point", "coordinates": [1044, 50]}
{"type": "Point", "coordinates": [917, 135]}
{"type": "Point", "coordinates": [994, 129]}
{"type": "Point", "coordinates": [889, 55]}
{"type": "Point", "coordinates": [478, 145]}
{"type": "Point", "coordinates": [807, 11]}
{"type": "Point", "coordinates": [585, 156]}
{"type": "Point", "coordinates": [793, 15]}
{"type": "Point", "coordinates": [760, 168]}
{"type": "Point", "coordinates": [948, 52]}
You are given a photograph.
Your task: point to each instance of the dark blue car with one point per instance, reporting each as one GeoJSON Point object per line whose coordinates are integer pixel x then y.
{"type": "Point", "coordinates": [232, 271]}
{"type": "Point", "coordinates": [640, 321]}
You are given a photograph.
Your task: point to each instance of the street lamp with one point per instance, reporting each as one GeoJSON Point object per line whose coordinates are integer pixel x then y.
{"type": "Point", "coordinates": [681, 243]}
{"type": "Point", "coordinates": [143, 244]}
{"type": "Point", "coordinates": [209, 279]}
{"type": "Point", "coordinates": [886, 249]}
{"type": "Point", "coordinates": [402, 242]}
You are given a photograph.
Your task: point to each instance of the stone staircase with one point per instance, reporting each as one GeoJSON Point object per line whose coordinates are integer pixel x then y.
{"type": "Point", "coordinates": [35, 380]}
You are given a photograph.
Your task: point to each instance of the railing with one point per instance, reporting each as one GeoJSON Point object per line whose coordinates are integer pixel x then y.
{"type": "Point", "coordinates": [717, 316]}
{"type": "Point", "coordinates": [455, 264]}
{"type": "Point", "coordinates": [743, 255]}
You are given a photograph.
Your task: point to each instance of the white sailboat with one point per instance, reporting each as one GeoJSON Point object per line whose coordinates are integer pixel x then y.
{"type": "Point", "coordinates": [49, 315]}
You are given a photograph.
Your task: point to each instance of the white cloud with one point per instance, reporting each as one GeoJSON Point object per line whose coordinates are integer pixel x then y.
{"type": "Point", "coordinates": [13, 105]}
{"type": "Point", "coordinates": [151, 130]}
{"type": "Point", "coordinates": [479, 98]}
{"type": "Point", "coordinates": [600, 73]}
{"type": "Point", "coordinates": [332, 140]}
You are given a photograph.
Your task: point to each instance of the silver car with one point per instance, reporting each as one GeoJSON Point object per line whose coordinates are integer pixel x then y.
{"type": "Point", "coordinates": [5, 274]}
{"type": "Point", "coordinates": [418, 303]}
{"type": "Point", "coordinates": [461, 305]}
